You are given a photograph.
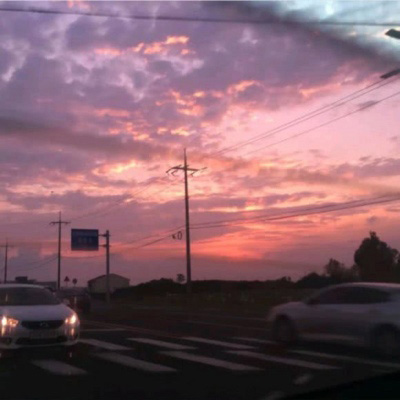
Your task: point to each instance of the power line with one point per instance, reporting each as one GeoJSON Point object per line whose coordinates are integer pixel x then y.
{"type": "Point", "coordinates": [38, 266]}
{"type": "Point", "coordinates": [310, 212]}
{"type": "Point", "coordinates": [312, 208]}
{"type": "Point", "coordinates": [321, 110]}
{"type": "Point", "coordinates": [175, 18]}
{"type": "Point", "coordinates": [265, 218]}
{"type": "Point", "coordinates": [324, 124]}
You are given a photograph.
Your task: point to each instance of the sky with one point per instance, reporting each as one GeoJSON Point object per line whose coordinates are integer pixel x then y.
{"type": "Point", "coordinates": [282, 118]}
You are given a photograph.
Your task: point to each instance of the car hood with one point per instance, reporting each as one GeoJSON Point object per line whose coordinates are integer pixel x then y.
{"type": "Point", "coordinates": [37, 313]}
{"type": "Point", "coordinates": [291, 304]}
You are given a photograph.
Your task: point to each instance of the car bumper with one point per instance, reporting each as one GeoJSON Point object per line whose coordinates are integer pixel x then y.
{"type": "Point", "coordinates": [20, 337]}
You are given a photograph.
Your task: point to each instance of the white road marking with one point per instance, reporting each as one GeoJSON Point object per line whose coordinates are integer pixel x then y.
{"type": "Point", "coordinates": [276, 395]}
{"type": "Point", "coordinates": [210, 361]}
{"type": "Point", "coordinates": [134, 362]}
{"type": "Point", "coordinates": [160, 343]}
{"type": "Point", "coordinates": [104, 345]}
{"type": "Point", "coordinates": [58, 367]}
{"type": "Point", "coordinates": [102, 330]}
{"type": "Point", "coordinates": [302, 379]}
{"type": "Point", "coordinates": [347, 358]}
{"type": "Point", "coordinates": [227, 325]}
{"type": "Point", "coordinates": [254, 340]}
{"type": "Point", "coordinates": [219, 343]}
{"type": "Point", "coordinates": [283, 360]}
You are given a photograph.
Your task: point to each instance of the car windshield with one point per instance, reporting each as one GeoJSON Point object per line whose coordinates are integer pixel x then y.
{"type": "Point", "coordinates": [26, 296]}
{"type": "Point", "coordinates": [178, 171]}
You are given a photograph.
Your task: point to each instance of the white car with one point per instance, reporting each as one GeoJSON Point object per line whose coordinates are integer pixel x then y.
{"type": "Point", "coordinates": [30, 315]}
{"type": "Point", "coordinates": [366, 314]}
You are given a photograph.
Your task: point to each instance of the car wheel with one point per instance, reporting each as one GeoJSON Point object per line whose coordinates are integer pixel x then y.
{"type": "Point", "coordinates": [386, 342]}
{"type": "Point", "coordinates": [284, 331]}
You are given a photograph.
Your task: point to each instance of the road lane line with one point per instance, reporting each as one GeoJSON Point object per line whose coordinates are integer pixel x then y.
{"type": "Point", "coordinates": [102, 330]}
{"type": "Point", "coordinates": [210, 361]}
{"type": "Point", "coordinates": [134, 362]}
{"type": "Point", "coordinates": [218, 343]}
{"type": "Point", "coordinates": [302, 379]}
{"type": "Point", "coordinates": [58, 367]}
{"type": "Point", "coordinates": [348, 358]}
{"type": "Point", "coordinates": [104, 345]}
{"type": "Point", "coordinates": [283, 360]}
{"type": "Point", "coordinates": [160, 343]}
{"type": "Point", "coordinates": [226, 325]}
{"type": "Point", "coordinates": [254, 340]}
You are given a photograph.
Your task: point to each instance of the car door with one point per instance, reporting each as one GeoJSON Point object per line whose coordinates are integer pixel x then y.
{"type": "Point", "coordinates": [321, 313]}
{"type": "Point", "coordinates": [361, 306]}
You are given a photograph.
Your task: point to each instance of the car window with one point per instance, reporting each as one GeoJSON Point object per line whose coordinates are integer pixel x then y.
{"type": "Point", "coordinates": [27, 297]}
{"type": "Point", "coordinates": [330, 296]}
{"type": "Point", "coordinates": [364, 295]}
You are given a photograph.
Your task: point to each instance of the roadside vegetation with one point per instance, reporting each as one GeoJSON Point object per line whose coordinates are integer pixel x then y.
{"type": "Point", "coordinates": [374, 260]}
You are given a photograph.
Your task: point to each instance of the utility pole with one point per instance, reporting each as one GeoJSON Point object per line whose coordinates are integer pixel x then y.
{"type": "Point", "coordinates": [107, 246]}
{"type": "Point", "coordinates": [59, 223]}
{"type": "Point", "coordinates": [6, 247]}
{"type": "Point", "coordinates": [185, 168]}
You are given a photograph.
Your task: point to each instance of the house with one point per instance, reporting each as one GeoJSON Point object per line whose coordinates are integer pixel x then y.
{"type": "Point", "coordinates": [98, 285]}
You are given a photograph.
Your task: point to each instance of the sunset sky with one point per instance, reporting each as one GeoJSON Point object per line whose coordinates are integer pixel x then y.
{"type": "Point", "coordinates": [94, 111]}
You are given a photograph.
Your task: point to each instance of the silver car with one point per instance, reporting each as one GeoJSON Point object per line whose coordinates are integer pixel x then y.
{"type": "Point", "coordinates": [366, 314]}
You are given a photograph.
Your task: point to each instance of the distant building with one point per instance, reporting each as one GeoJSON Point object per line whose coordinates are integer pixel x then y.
{"type": "Point", "coordinates": [98, 285]}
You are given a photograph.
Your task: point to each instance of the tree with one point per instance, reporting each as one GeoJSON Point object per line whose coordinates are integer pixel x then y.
{"type": "Point", "coordinates": [66, 280]}
{"type": "Point", "coordinates": [376, 260]}
{"type": "Point", "coordinates": [180, 278]}
{"type": "Point", "coordinates": [313, 281]}
{"type": "Point", "coordinates": [338, 272]}
{"type": "Point", "coordinates": [74, 281]}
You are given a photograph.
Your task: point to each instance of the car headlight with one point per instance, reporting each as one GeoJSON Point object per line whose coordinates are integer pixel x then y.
{"type": "Point", "coordinates": [72, 320]}
{"type": "Point", "coordinates": [8, 322]}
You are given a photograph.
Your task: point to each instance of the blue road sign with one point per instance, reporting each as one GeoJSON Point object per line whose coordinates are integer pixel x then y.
{"type": "Point", "coordinates": [85, 239]}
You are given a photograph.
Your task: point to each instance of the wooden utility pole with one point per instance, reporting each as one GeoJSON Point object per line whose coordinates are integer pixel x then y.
{"type": "Point", "coordinates": [6, 247]}
{"type": "Point", "coordinates": [59, 223]}
{"type": "Point", "coordinates": [185, 168]}
{"type": "Point", "coordinates": [107, 246]}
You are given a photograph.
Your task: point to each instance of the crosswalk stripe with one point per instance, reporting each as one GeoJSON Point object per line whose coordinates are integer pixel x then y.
{"type": "Point", "coordinates": [160, 343]}
{"type": "Point", "coordinates": [254, 340]}
{"type": "Point", "coordinates": [218, 343]}
{"type": "Point", "coordinates": [102, 330]}
{"type": "Point", "coordinates": [210, 361]}
{"type": "Point", "coordinates": [134, 362]}
{"type": "Point", "coordinates": [347, 358]}
{"type": "Point", "coordinates": [104, 345]}
{"type": "Point", "coordinates": [283, 360]}
{"type": "Point", "coordinates": [58, 367]}
{"type": "Point", "coordinates": [253, 328]}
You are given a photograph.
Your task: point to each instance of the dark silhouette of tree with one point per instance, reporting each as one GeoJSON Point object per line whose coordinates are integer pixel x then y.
{"type": "Point", "coordinates": [180, 278]}
{"type": "Point", "coordinates": [66, 280]}
{"type": "Point", "coordinates": [74, 281]}
{"type": "Point", "coordinates": [338, 272]}
{"type": "Point", "coordinates": [376, 260]}
{"type": "Point", "coordinates": [313, 281]}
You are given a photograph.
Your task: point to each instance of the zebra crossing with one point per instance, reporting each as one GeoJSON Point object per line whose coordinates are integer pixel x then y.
{"type": "Point", "coordinates": [154, 355]}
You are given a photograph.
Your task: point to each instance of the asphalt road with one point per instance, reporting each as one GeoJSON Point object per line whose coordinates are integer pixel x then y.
{"type": "Point", "coordinates": [173, 355]}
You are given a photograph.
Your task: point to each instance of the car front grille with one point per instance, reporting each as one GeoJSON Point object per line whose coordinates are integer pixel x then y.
{"type": "Point", "coordinates": [42, 324]}
{"type": "Point", "coordinates": [40, 342]}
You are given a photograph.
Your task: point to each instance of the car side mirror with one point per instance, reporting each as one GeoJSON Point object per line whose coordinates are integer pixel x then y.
{"type": "Point", "coordinates": [66, 302]}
